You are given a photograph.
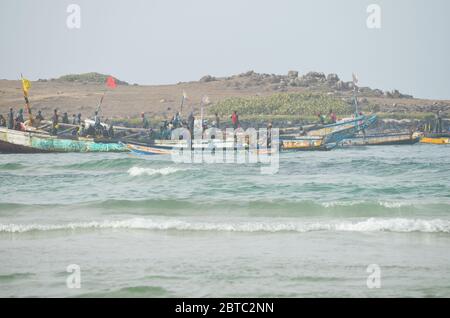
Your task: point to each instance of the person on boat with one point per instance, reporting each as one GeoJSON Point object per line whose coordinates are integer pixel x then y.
{"type": "Point", "coordinates": [19, 117]}
{"type": "Point", "coordinates": [38, 119]}
{"type": "Point", "coordinates": [111, 131]}
{"type": "Point", "coordinates": [269, 135]}
{"type": "Point", "coordinates": [55, 122]}
{"type": "Point", "coordinates": [78, 122]}
{"type": "Point", "coordinates": [65, 118]}
{"type": "Point", "coordinates": [19, 121]}
{"type": "Point", "coordinates": [97, 123]}
{"type": "Point", "coordinates": [82, 131]}
{"type": "Point", "coordinates": [75, 131]}
{"type": "Point", "coordinates": [11, 119]}
{"type": "Point", "coordinates": [74, 119]}
{"type": "Point", "coordinates": [104, 132]}
{"type": "Point", "coordinates": [216, 123]}
{"type": "Point", "coordinates": [2, 121]}
{"type": "Point", "coordinates": [321, 118]}
{"type": "Point", "coordinates": [191, 121]}
{"type": "Point", "coordinates": [302, 131]}
{"type": "Point", "coordinates": [333, 117]}
{"type": "Point", "coordinates": [145, 123]}
{"type": "Point", "coordinates": [90, 131]}
{"type": "Point", "coordinates": [235, 120]}
{"type": "Point", "coordinates": [176, 121]}
{"type": "Point", "coordinates": [39, 116]}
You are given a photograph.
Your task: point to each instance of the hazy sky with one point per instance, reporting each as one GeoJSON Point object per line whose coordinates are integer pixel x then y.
{"type": "Point", "coordinates": [167, 41]}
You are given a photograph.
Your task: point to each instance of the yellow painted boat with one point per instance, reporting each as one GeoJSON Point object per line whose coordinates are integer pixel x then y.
{"type": "Point", "coordinates": [435, 140]}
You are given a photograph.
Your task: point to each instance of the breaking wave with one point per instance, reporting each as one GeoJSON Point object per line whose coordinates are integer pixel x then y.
{"type": "Point", "coordinates": [139, 171]}
{"type": "Point", "coordinates": [400, 225]}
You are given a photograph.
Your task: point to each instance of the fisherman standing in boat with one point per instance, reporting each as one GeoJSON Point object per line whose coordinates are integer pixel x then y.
{"type": "Point", "coordinates": [74, 119]}
{"type": "Point", "coordinates": [191, 121]}
{"type": "Point", "coordinates": [333, 118]}
{"type": "Point", "coordinates": [145, 123]}
{"type": "Point", "coordinates": [97, 123]}
{"type": "Point", "coordinates": [235, 120]}
{"type": "Point", "coordinates": [55, 121]}
{"type": "Point", "coordinates": [19, 120]}
{"type": "Point", "coordinates": [39, 116]}
{"type": "Point", "coordinates": [269, 135]}
{"type": "Point", "coordinates": [38, 119]}
{"type": "Point", "coordinates": [216, 122]}
{"type": "Point", "coordinates": [65, 118]}
{"type": "Point", "coordinates": [176, 121]}
{"type": "Point", "coordinates": [11, 119]}
{"type": "Point", "coordinates": [20, 116]}
{"type": "Point", "coordinates": [321, 118]}
{"type": "Point", "coordinates": [79, 119]}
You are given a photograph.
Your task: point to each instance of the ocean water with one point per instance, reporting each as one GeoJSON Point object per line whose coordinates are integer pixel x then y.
{"type": "Point", "coordinates": [147, 227]}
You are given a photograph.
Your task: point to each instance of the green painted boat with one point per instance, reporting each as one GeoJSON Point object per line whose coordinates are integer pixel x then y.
{"type": "Point", "coordinates": [15, 141]}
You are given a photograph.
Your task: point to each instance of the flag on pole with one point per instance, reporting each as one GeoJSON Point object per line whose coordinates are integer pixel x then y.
{"type": "Point", "coordinates": [111, 82]}
{"type": "Point", "coordinates": [355, 78]}
{"type": "Point", "coordinates": [26, 85]}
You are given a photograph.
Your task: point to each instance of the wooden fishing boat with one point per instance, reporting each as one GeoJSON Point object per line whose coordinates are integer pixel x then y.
{"type": "Point", "coordinates": [168, 147]}
{"type": "Point", "coordinates": [38, 141]}
{"type": "Point", "coordinates": [326, 137]}
{"type": "Point", "coordinates": [436, 139]}
{"type": "Point", "coordinates": [162, 148]}
{"type": "Point", "coordinates": [381, 140]}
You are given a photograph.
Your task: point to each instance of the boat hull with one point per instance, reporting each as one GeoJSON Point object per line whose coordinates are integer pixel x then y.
{"type": "Point", "coordinates": [13, 141]}
{"type": "Point", "coordinates": [435, 141]}
{"type": "Point", "coordinates": [381, 140]}
{"type": "Point", "coordinates": [436, 138]}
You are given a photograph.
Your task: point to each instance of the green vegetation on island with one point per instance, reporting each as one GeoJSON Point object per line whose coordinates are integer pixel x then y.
{"type": "Point", "coordinates": [92, 77]}
{"type": "Point", "coordinates": [288, 104]}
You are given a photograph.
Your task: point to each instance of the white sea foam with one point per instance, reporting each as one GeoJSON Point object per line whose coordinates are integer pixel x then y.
{"type": "Point", "coordinates": [368, 225]}
{"type": "Point", "coordinates": [386, 204]}
{"type": "Point", "coordinates": [394, 204]}
{"type": "Point", "coordinates": [333, 204]}
{"type": "Point", "coordinates": [139, 171]}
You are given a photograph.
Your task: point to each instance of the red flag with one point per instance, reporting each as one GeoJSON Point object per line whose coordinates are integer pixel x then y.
{"type": "Point", "coordinates": [111, 82]}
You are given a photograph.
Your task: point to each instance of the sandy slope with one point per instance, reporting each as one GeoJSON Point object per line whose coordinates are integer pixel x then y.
{"type": "Point", "coordinates": [164, 100]}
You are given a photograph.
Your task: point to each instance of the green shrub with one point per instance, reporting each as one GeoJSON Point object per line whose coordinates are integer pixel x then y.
{"type": "Point", "coordinates": [304, 104]}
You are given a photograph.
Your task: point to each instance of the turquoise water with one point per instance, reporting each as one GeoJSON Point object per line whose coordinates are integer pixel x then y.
{"type": "Point", "coordinates": [147, 227]}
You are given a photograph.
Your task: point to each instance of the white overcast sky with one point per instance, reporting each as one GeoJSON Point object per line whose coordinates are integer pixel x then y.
{"type": "Point", "coordinates": [167, 41]}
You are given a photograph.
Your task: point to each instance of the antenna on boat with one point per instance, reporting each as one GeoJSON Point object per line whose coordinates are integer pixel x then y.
{"type": "Point", "coordinates": [355, 87]}
{"type": "Point", "coordinates": [183, 98]}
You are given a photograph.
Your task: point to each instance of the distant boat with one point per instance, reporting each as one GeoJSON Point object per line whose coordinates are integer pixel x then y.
{"type": "Point", "coordinates": [381, 139]}
{"type": "Point", "coordinates": [326, 137]}
{"type": "Point", "coordinates": [436, 139]}
{"type": "Point", "coordinates": [16, 141]}
{"type": "Point", "coordinates": [168, 147]}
